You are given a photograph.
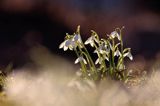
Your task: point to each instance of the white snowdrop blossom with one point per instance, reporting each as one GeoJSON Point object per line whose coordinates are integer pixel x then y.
{"type": "Point", "coordinates": [79, 59]}
{"type": "Point", "coordinates": [77, 38]}
{"type": "Point", "coordinates": [91, 40]}
{"type": "Point", "coordinates": [67, 44]}
{"type": "Point", "coordinates": [117, 53]}
{"type": "Point", "coordinates": [99, 60]}
{"type": "Point", "coordinates": [104, 56]}
{"type": "Point", "coordinates": [129, 55]}
{"type": "Point", "coordinates": [62, 45]}
{"type": "Point", "coordinates": [114, 34]}
{"type": "Point", "coordinates": [104, 49]}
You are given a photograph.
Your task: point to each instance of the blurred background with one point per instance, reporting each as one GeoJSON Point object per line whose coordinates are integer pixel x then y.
{"type": "Point", "coordinates": [25, 24]}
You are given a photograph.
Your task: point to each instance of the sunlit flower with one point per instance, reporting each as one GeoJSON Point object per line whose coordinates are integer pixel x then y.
{"type": "Point", "coordinates": [100, 59]}
{"type": "Point", "coordinates": [117, 53]}
{"type": "Point", "coordinates": [91, 40]}
{"type": "Point", "coordinates": [114, 34]}
{"type": "Point", "coordinates": [79, 59]}
{"type": "Point", "coordinates": [129, 55]}
{"type": "Point", "coordinates": [67, 44]}
{"type": "Point", "coordinates": [77, 38]}
{"type": "Point", "coordinates": [102, 49]}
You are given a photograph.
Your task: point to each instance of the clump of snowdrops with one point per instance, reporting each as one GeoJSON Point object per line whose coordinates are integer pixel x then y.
{"type": "Point", "coordinates": [110, 54]}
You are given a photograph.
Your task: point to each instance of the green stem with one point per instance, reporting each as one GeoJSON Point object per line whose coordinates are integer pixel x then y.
{"type": "Point", "coordinates": [113, 63]}
{"type": "Point", "coordinates": [87, 53]}
{"type": "Point", "coordinates": [110, 65]}
{"type": "Point", "coordinates": [84, 68]}
{"type": "Point", "coordinates": [89, 57]}
{"type": "Point", "coordinates": [121, 47]}
{"type": "Point", "coordinates": [103, 61]}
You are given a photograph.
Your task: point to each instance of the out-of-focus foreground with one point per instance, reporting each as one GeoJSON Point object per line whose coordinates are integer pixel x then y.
{"type": "Point", "coordinates": [56, 85]}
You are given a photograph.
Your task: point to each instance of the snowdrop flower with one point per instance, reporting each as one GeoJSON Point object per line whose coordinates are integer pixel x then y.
{"type": "Point", "coordinates": [129, 55]}
{"type": "Point", "coordinates": [103, 49]}
{"type": "Point", "coordinates": [114, 34]}
{"type": "Point", "coordinates": [91, 40]}
{"type": "Point", "coordinates": [77, 38]}
{"type": "Point", "coordinates": [100, 59]}
{"type": "Point", "coordinates": [79, 59]}
{"type": "Point", "coordinates": [67, 44]}
{"type": "Point", "coordinates": [117, 53]}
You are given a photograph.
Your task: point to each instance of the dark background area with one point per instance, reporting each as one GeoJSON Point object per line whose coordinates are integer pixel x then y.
{"type": "Point", "coordinates": [28, 23]}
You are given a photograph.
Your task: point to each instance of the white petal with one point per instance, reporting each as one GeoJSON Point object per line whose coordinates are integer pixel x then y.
{"type": "Point", "coordinates": [130, 56]}
{"type": "Point", "coordinates": [113, 34]}
{"type": "Point", "coordinates": [106, 58]}
{"type": "Point", "coordinates": [92, 44]}
{"type": "Point", "coordinates": [88, 41]}
{"type": "Point", "coordinates": [125, 54]}
{"type": "Point", "coordinates": [76, 61]}
{"type": "Point", "coordinates": [97, 61]}
{"type": "Point", "coordinates": [62, 45]}
{"type": "Point", "coordinates": [80, 40]}
{"type": "Point", "coordinates": [118, 36]}
{"type": "Point", "coordinates": [101, 51]}
{"type": "Point", "coordinates": [65, 48]}
{"type": "Point", "coordinates": [95, 51]}
{"type": "Point", "coordinates": [117, 53]}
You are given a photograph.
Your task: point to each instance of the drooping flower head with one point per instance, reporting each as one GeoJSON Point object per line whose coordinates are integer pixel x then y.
{"type": "Point", "coordinates": [77, 38]}
{"type": "Point", "coordinates": [91, 40]}
{"type": "Point", "coordinates": [129, 55]}
{"type": "Point", "coordinates": [79, 59]}
{"type": "Point", "coordinates": [113, 35]}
